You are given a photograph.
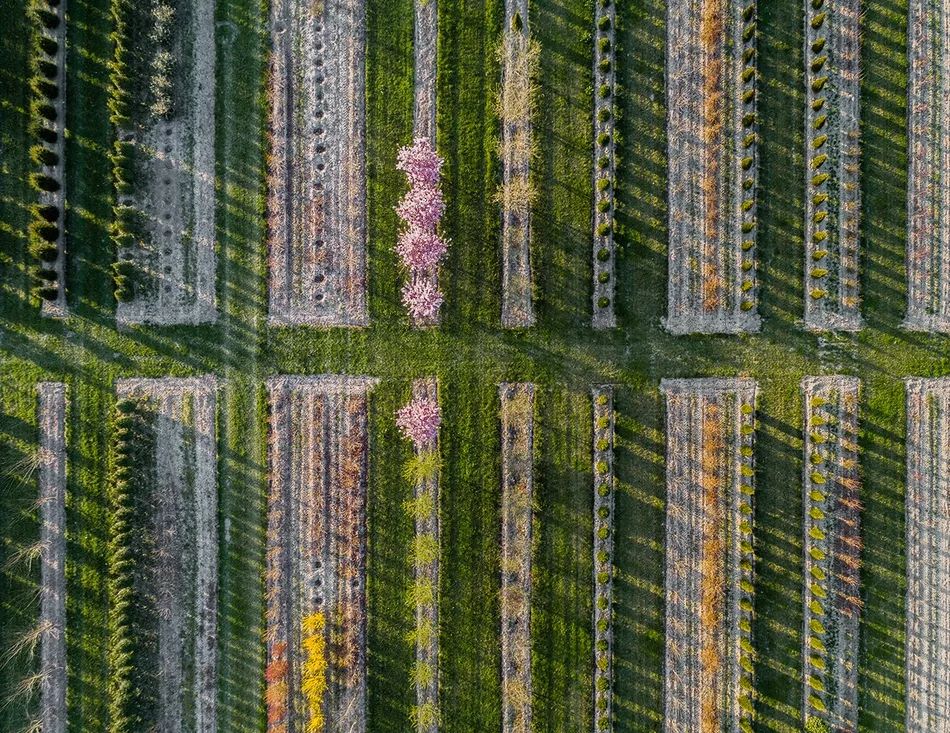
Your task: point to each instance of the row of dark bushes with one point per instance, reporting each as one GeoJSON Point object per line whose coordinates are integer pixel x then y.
{"type": "Point", "coordinates": [47, 219]}
{"type": "Point", "coordinates": [131, 642]}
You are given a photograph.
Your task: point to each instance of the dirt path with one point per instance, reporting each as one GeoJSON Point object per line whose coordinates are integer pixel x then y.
{"type": "Point", "coordinates": [317, 173]}
{"type": "Point", "coordinates": [603, 433]}
{"type": "Point", "coordinates": [604, 204]}
{"type": "Point", "coordinates": [52, 480]}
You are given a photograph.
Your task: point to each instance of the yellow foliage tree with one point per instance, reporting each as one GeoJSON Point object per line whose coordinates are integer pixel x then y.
{"type": "Point", "coordinates": [313, 673]}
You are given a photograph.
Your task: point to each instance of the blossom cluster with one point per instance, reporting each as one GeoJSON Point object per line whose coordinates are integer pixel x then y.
{"type": "Point", "coordinates": [420, 247]}
{"type": "Point", "coordinates": [419, 421]}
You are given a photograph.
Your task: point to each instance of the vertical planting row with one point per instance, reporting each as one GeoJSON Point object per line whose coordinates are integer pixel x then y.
{"type": "Point", "coordinates": [47, 241]}
{"type": "Point", "coordinates": [928, 190]}
{"type": "Point", "coordinates": [709, 662]}
{"type": "Point", "coordinates": [605, 161]}
{"type": "Point", "coordinates": [177, 573]}
{"type": "Point", "coordinates": [604, 489]}
{"type": "Point", "coordinates": [832, 164]}
{"type": "Point", "coordinates": [517, 100]}
{"type": "Point", "coordinates": [315, 674]}
{"type": "Point", "coordinates": [52, 420]}
{"type": "Point", "coordinates": [419, 422]}
{"type": "Point", "coordinates": [927, 635]}
{"type": "Point", "coordinates": [710, 85]}
{"type": "Point", "coordinates": [832, 540]}
{"type": "Point", "coordinates": [517, 476]}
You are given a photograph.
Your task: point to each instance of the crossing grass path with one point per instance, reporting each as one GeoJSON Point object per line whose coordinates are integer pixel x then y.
{"type": "Point", "coordinates": [470, 355]}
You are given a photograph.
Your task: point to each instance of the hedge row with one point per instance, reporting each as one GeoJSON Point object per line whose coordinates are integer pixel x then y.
{"type": "Point", "coordinates": [131, 642]}
{"type": "Point", "coordinates": [47, 218]}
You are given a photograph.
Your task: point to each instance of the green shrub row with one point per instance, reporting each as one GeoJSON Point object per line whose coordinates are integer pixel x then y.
{"type": "Point", "coordinates": [604, 81]}
{"type": "Point", "coordinates": [819, 176]}
{"type": "Point", "coordinates": [747, 98]}
{"type": "Point", "coordinates": [131, 642]}
{"type": "Point", "coordinates": [46, 220]}
{"type": "Point", "coordinates": [745, 693]}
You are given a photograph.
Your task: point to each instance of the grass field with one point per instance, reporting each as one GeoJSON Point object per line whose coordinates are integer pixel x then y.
{"type": "Point", "coordinates": [471, 354]}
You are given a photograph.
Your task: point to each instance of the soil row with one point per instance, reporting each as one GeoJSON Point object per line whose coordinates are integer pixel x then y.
{"type": "Point", "coordinates": [604, 488]}
{"type": "Point", "coordinates": [927, 636]}
{"type": "Point", "coordinates": [710, 86]}
{"type": "Point", "coordinates": [605, 162]}
{"type": "Point", "coordinates": [52, 484]}
{"type": "Point", "coordinates": [928, 191]}
{"type": "Point", "coordinates": [832, 541]}
{"type": "Point", "coordinates": [519, 57]}
{"type": "Point", "coordinates": [168, 265]}
{"type": "Point", "coordinates": [316, 554]}
{"type": "Point", "coordinates": [832, 164]}
{"type": "Point", "coordinates": [708, 662]}
{"type": "Point", "coordinates": [517, 476]}
{"type": "Point", "coordinates": [425, 493]}
{"type": "Point", "coordinates": [179, 575]}
{"type": "Point", "coordinates": [316, 202]}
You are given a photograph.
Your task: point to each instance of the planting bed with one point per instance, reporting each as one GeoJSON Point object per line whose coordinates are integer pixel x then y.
{"type": "Point", "coordinates": [711, 102]}
{"type": "Point", "coordinates": [52, 479]}
{"type": "Point", "coordinates": [517, 459]}
{"type": "Point", "coordinates": [48, 233]}
{"type": "Point", "coordinates": [164, 100]}
{"type": "Point", "coordinates": [928, 575]}
{"type": "Point", "coordinates": [519, 67]}
{"type": "Point", "coordinates": [168, 493]}
{"type": "Point", "coordinates": [928, 190]}
{"type": "Point", "coordinates": [605, 161]}
{"type": "Point", "coordinates": [832, 164]}
{"type": "Point", "coordinates": [604, 490]}
{"type": "Point", "coordinates": [709, 554]}
{"type": "Point", "coordinates": [316, 554]}
{"type": "Point", "coordinates": [316, 201]}
{"type": "Point", "coordinates": [832, 534]}
{"type": "Point", "coordinates": [424, 598]}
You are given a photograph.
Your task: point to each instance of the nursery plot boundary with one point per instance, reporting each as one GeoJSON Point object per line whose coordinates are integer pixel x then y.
{"type": "Point", "coordinates": [172, 262]}
{"type": "Point", "coordinates": [52, 483]}
{"type": "Point", "coordinates": [928, 190]}
{"type": "Point", "coordinates": [316, 201]}
{"type": "Point", "coordinates": [184, 528]}
{"type": "Point", "coordinates": [832, 543]}
{"type": "Point", "coordinates": [713, 164]}
{"type": "Point", "coordinates": [316, 553]}
{"type": "Point", "coordinates": [517, 497]}
{"type": "Point", "coordinates": [928, 573]}
{"type": "Point", "coordinates": [604, 488]}
{"type": "Point", "coordinates": [832, 165]}
{"type": "Point", "coordinates": [709, 554]}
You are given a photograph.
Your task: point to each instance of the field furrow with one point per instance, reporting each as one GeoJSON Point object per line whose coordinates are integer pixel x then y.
{"type": "Point", "coordinates": [711, 124]}
{"type": "Point", "coordinates": [517, 477]}
{"type": "Point", "coordinates": [832, 165]}
{"type": "Point", "coordinates": [832, 541]}
{"type": "Point", "coordinates": [316, 554]}
{"type": "Point", "coordinates": [316, 201]}
{"type": "Point", "coordinates": [52, 479]}
{"type": "Point", "coordinates": [709, 592]}
{"type": "Point", "coordinates": [928, 189]}
{"type": "Point", "coordinates": [164, 100]}
{"type": "Point", "coordinates": [927, 635]}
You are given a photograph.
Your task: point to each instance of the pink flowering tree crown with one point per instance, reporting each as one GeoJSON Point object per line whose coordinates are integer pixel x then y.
{"type": "Point", "coordinates": [420, 163]}
{"type": "Point", "coordinates": [419, 249]}
{"type": "Point", "coordinates": [422, 298]}
{"type": "Point", "coordinates": [419, 421]}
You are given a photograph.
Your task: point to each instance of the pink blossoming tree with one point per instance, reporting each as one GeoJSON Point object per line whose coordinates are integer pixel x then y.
{"type": "Point", "coordinates": [419, 422]}
{"type": "Point", "coordinates": [420, 247]}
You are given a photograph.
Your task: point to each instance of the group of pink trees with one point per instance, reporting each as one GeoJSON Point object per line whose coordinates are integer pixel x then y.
{"type": "Point", "coordinates": [420, 247]}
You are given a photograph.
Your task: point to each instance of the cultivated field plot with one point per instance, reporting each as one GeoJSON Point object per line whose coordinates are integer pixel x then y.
{"type": "Point", "coordinates": [517, 476]}
{"type": "Point", "coordinates": [832, 535]}
{"type": "Point", "coordinates": [165, 554]}
{"type": "Point", "coordinates": [52, 478]}
{"type": "Point", "coordinates": [928, 189]}
{"type": "Point", "coordinates": [709, 488]}
{"type": "Point", "coordinates": [316, 554]}
{"type": "Point", "coordinates": [316, 200]}
{"type": "Point", "coordinates": [710, 89]}
{"type": "Point", "coordinates": [832, 164]}
{"type": "Point", "coordinates": [928, 574]}
{"type": "Point", "coordinates": [164, 102]}
{"type": "Point", "coordinates": [603, 557]}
